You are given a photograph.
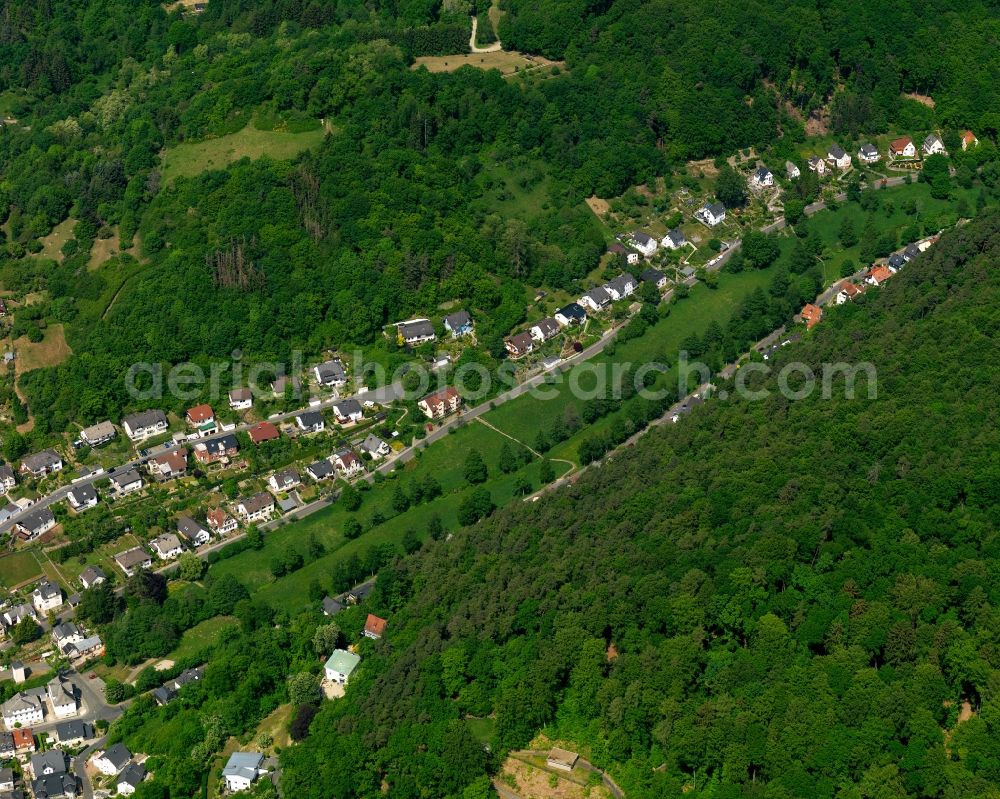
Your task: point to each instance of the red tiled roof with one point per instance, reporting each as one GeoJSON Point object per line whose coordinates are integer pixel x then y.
{"type": "Point", "coordinates": [23, 736]}
{"type": "Point", "coordinates": [881, 273]}
{"type": "Point", "coordinates": [200, 413]}
{"type": "Point", "coordinates": [812, 315]}
{"type": "Point", "coordinates": [374, 625]}
{"type": "Point", "coordinates": [265, 431]}
{"type": "Point", "coordinates": [898, 145]}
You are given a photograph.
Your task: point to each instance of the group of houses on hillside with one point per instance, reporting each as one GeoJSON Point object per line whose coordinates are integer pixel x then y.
{"type": "Point", "coordinates": [901, 148]}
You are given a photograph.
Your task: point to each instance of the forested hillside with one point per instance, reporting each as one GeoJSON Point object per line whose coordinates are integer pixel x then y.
{"type": "Point", "coordinates": [396, 212]}
{"type": "Point", "coordinates": [772, 599]}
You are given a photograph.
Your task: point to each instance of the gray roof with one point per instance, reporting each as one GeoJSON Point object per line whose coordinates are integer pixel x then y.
{"type": "Point", "coordinates": [45, 459]}
{"type": "Point", "coordinates": [716, 209]}
{"type": "Point", "coordinates": [127, 478]}
{"type": "Point", "coordinates": [54, 785]}
{"type": "Point", "coordinates": [36, 519]}
{"type": "Point", "coordinates": [641, 238]}
{"type": "Point", "coordinates": [762, 172]}
{"type": "Point", "coordinates": [98, 431]}
{"type": "Point", "coordinates": [572, 311]}
{"type": "Point", "coordinates": [419, 329]}
{"type": "Point", "coordinates": [52, 762]}
{"type": "Point", "coordinates": [911, 251]}
{"type": "Point", "coordinates": [676, 236]}
{"type": "Point", "coordinates": [287, 477]}
{"type": "Point", "coordinates": [931, 139]}
{"type": "Point", "coordinates": [145, 419]}
{"type": "Point", "coordinates": [74, 728]}
{"type": "Point", "coordinates": [896, 260]}
{"type": "Point", "coordinates": [92, 573]}
{"type": "Point", "coordinates": [222, 444]}
{"type": "Point", "coordinates": [189, 528]}
{"type": "Point", "coordinates": [620, 284]}
{"type": "Point", "coordinates": [868, 149]}
{"type": "Point", "coordinates": [133, 774]}
{"type": "Point", "coordinates": [836, 151]}
{"type": "Point", "coordinates": [83, 494]}
{"type": "Point", "coordinates": [457, 320]}
{"type": "Point", "coordinates": [243, 764]}
{"type": "Point", "coordinates": [320, 469]}
{"type": "Point", "coordinates": [599, 295]}
{"type": "Point", "coordinates": [118, 755]}
{"type": "Point", "coordinates": [166, 542]}
{"type": "Point", "coordinates": [331, 371]}
{"type": "Point", "coordinates": [310, 418]}
{"type": "Point", "coordinates": [372, 444]}
{"type": "Point", "coordinates": [48, 589]}
{"type": "Point", "coordinates": [65, 630]}
{"type": "Point", "coordinates": [652, 276]}
{"type": "Point", "coordinates": [331, 607]}
{"type": "Point", "coordinates": [258, 502]}
{"type": "Point", "coordinates": [347, 407]}
{"type": "Point", "coordinates": [132, 557]}
{"type": "Point", "coordinates": [548, 326]}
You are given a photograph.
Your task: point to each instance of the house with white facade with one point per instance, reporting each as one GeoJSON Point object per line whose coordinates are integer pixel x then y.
{"type": "Point", "coordinates": [340, 665]}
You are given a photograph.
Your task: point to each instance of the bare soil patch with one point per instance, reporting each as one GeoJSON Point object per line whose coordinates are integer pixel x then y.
{"type": "Point", "coordinates": [923, 99]}
{"type": "Point", "coordinates": [598, 206]}
{"type": "Point", "coordinates": [508, 62]}
{"type": "Point", "coordinates": [103, 250]}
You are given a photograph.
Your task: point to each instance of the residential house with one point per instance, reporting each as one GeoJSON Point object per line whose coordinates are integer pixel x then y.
{"type": "Point", "coordinates": [217, 450]}
{"type": "Point", "coordinates": [348, 464]}
{"type": "Point", "coordinates": [933, 145]}
{"type": "Point", "coordinates": [544, 329]}
{"type": "Point", "coordinates": [257, 508]}
{"type": "Point", "coordinates": [320, 470]}
{"type": "Point", "coordinates": [285, 480]}
{"type": "Point", "coordinates": [143, 425]}
{"type": "Point", "coordinates": [817, 165]}
{"type": "Point", "coordinates": [415, 331]}
{"type": "Point", "coordinates": [91, 576]}
{"type": "Point", "coordinates": [761, 178]}
{"type": "Point", "coordinates": [330, 373]}
{"type": "Point", "coordinates": [348, 411]}
{"type": "Point", "coordinates": [66, 633]}
{"type": "Point", "coordinates": [7, 774]}
{"type": "Point", "coordinates": [170, 465]}
{"type": "Point", "coordinates": [24, 740]}
{"type": "Point", "coordinates": [54, 786]}
{"type": "Point", "coordinates": [283, 383]}
{"type": "Point", "coordinates": [34, 523]}
{"type": "Point", "coordinates": [331, 607]}
{"type": "Point", "coordinates": [895, 262]}
{"type": "Point", "coordinates": [72, 732]}
{"type": "Point", "coordinates": [848, 291]}
{"type": "Point", "coordinates": [792, 171]}
{"type": "Point", "coordinates": [62, 696]}
{"type": "Point", "coordinates": [240, 399]}
{"type": "Point", "coordinates": [132, 560]}
{"type": "Point", "coordinates": [520, 344]}
{"type": "Point", "coordinates": [310, 422]}
{"type": "Point", "coordinates": [263, 431]}
{"type": "Point", "coordinates": [868, 153]}
{"type": "Point", "coordinates": [878, 275]}
{"type": "Point", "coordinates": [654, 276]}
{"type": "Point", "coordinates": [220, 522]}
{"type": "Point", "coordinates": [340, 665]}
{"type": "Point", "coordinates": [52, 761]}
{"type": "Point", "coordinates": [621, 287]}
{"type": "Point", "coordinates": [630, 256]}
{"type": "Point", "coordinates": [7, 478]}
{"type": "Point", "coordinates": [374, 627]}
{"type": "Point", "coordinates": [47, 596]}
{"type": "Point", "coordinates": [92, 646]}
{"type": "Point", "coordinates": [15, 614]}
{"type": "Point", "coordinates": [969, 140]}
{"type": "Point", "coordinates": [202, 418]}
{"type": "Point", "coordinates": [572, 314]}
{"type": "Point", "coordinates": [112, 760]}
{"type": "Point", "coordinates": [440, 403]}
{"type": "Point", "coordinates": [82, 497]}
{"type": "Point", "coordinates": [644, 243]}
{"type": "Point", "coordinates": [375, 447]}
{"type": "Point", "coordinates": [910, 251]}
{"type": "Point", "coordinates": [242, 770]}
{"type": "Point", "coordinates": [7, 749]}
{"type": "Point", "coordinates": [192, 532]}
{"type": "Point", "coordinates": [838, 157]}
{"type": "Point", "coordinates": [458, 324]}
{"type": "Point", "coordinates": [597, 299]}
{"type": "Point", "coordinates": [128, 481]}
{"type": "Point", "coordinates": [812, 315]}
{"type": "Point", "coordinates": [674, 239]}
{"type": "Point", "coordinates": [42, 463]}
{"type": "Point", "coordinates": [902, 147]}
{"type": "Point", "coordinates": [22, 708]}
{"type": "Point", "coordinates": [131, 777]}
{"type": "Point", "coordinates": [97, 434]}
{"type": "Point", "coordinates": [712, 214]}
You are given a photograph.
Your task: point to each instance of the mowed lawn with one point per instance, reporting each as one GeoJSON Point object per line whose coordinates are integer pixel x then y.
{"type": "Point", "coordinates": [19, 567]}
{"type": "Point", "coordinates": [193, 158]}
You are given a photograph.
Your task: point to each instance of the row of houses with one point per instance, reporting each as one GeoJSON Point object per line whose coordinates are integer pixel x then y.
{"type": "Point", "coordinates": [59, 698]}
{"type": "Point", "coordinates": [415, 332]}
{"type": "Point", "coordinates": [900, 148]}
{"type": "Point", "coordinates": [117, 761]}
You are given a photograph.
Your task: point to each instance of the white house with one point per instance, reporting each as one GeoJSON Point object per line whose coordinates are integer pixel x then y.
{"type": "Point", "coordinates": [193, 532]}
{"type": "Point", "coordinates": [35, 523]}
{"type": "Point", "coordinates": [458, 324]}
{"type": "Point", "coordinates": [139, 426]}
{"type": "Point", "coordinates": [240, 399]}
{"type": "Point", "coordinates": [902, 147]}
{"type": "Point", "coordinates": [933, 146]}
{"type": "Point", "coordinates": [644, 243]}
{"type": "Point", "coordinates": [132, 560]}
{"type": "Point", "coordinates": [47, 596]}
{"type": "Point", "coordinates": [868, 153]}
{"type": "Point", "coordinates": [838, 157]}
{"type": "Point", "coordinates": [761, 178]}
{"type": "Point", "coordinates": [22, 709]}
{"type": "Point", "coordinates": [167, 546]}
{"type": "Point", "coordinates": [348, 411]}
{"type": "Point", "coordinates": [544, 329]}
{"type": "Point", "coordinates": [330, 373]}
{"type": "Point", "coordinates": [242, 770]}
{"type": "Point", "coordinates": [415, 331]}
{"type": "Point", "coordinates": [285, 480]}
{"type": "Point", "coordinates": [131, 777]}
{"type": "Point", "coordinates": [596, 299]}
{"type": "Point", "coordinates": [969, 140]}
{"type": "Point", "coordinates": [61, 694]}
{"type": "Point", "coordinates": [621, 287]}
{"type": "Point", "coordinates": [673, 240]}
{"type": "Point", "coordinates": [817, 165]}
{"type": "Point", "coordinates": [91, 576]}
{"type": "Point", "coordinates": [221, 523]}
{"type": "Point", "coordinates": [112, 760]}
{"type": "Point", "coordinates": [256, 508]}
{"type": "Point", "coordinates": [310, 422]}
{"type": "Point", "coordinates": [82, 497]}
{"type": "Point", "coordinates": [792, 170]}
{"type": "Point", "coordinates": [348, 464]}
{"type": "Point", "coordinates": [712, 214]}
{"type": "Point", "coordinates": [127, 482]}
{"type": "Point", "coordinates": [98, 434]}
{"type": "Point", "coordinates": [341, 665]}
{"type": "Point", "coordinates": [375, 447]}
{"type": "Point", "coordinates": [66, 633]}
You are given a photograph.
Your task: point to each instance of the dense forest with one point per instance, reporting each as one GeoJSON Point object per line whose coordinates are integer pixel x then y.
{"type": "Point", "coordinates": [393, 214]}
{"type": "Point", "coordinates": [775, 598]}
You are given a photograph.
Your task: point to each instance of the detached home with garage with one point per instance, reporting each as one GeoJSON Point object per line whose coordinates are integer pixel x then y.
{"type": "Point", "coordinates": [310, 422]}
{"type": "Point", "coordinates": [97, 434]}
{"type": "Point", "coordinates": [712, 214]}
{"type": "Point", "coordinates": [34, 524]}
{"type": "Point", "coordinates": [330, 373]}
{"type": "Point", "coordinates": [202, 418]}
{"type": "Point", "coordinates": [320, 470]}
{"type": "Point", "coordinates": [348, 411]}
{"type": "Point", "coordinates": [42, 463]}
{"type": "Point", "coordinates": [82, 497]}
{"type": "Point", "coordinates": [127, 482]}
{"type": "Point", "coordinates": [415, 332]}
{"type": "Point", "coordinates": [285, 480]}
{"type": "Point", "coordinates": [47, 596]}
{"type": "Point", "coordinates": [217, 450]}
{"type": "Point", "coordinates": [458, 324]}
{"type": "Point", "coordinates": [257, 508]}
{"type": "Point", "coordinates": [134, 560]}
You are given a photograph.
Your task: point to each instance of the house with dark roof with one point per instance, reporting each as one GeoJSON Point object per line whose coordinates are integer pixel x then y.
{"type": "Point", "coordinates": [126, 482]}
{"type": "Point", "coordinates": [572, 314]}
{"type": "Point", "coordinates": [673, 239]}
{"type": "Point", "coordinates": [256, 508]}
{"type": "Point", "coordinates": [320, 470]}
{"type": "Point", "coordinates": [597, 299]}
{"type": "Point", "coordinates": [82, 497]}
{"type": "Point", "coordinates": [192, 532]}
{"type": "Point", "coordinates": [375, 447]}
{"type": "Point", "coordinates": [712, 214]}
{"type": "Point", "coordinates": [654, 276]}
{"type": "Point", "coordinates": [348, 411]}
{"type": "Point", "coordinates": [284, 480]}
{"type": "Point", "coordinates": [42, 463]}
{"type": "Point", "coordinates": [330, 373]}
{"type": "Point", "coordinates": [240, 399]}
{"type": "Point", "coordinates": [544, 329]}
{"type": "Point", "coordinates": [868, 153]}
{"type": "Point", "coordinates": [216, 450]}
{"type": "Point", "coordinates": [761, 178]}
{"type": "Point", "coordinates": [310, 422]}
{"type": "Point", "coordinates": [91, 576]}
{"type": "Point", "coordinates": [621, 287]}
{"type": "Point", "coordinates": [34, 523]}
{"type": "Point", "coordinates": [644, 243]}
{"type": "Point", "coordinates": [7, 478]}
{"type": "Point", "coordinates": [837, 156]}
{"type": "Point", "coordinates": [132, 560]}
{"type": "Point", "coordinates": [520, 344]}
{"type": "Point", "coordinates": [331, 607]}
{"type": "Point", "coordinates": [933, 145]}
{"type": "Point", "coordinates": [131, 777]}
{"type": "Point", "coordinates": [458, 324]}
{"type": "Point", "coordinates": [112, 760]}
{"type": "Point", "coordinates": [145, 424]}
{"type": "Point", "coordinates": [415, 331]}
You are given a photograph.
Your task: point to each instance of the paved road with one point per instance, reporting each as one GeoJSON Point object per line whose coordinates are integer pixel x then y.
{"type": "Point", "coordinates": [80, 767]}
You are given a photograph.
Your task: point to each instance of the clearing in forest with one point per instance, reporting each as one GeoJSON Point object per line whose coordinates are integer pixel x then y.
{"type": "Point", "coordinates": [53, 243]}
{"type": "Point", "coordinates": [52, 350]}
{"type": "Point", "coordinates": [508, 62]}
{"type": "Point", "coordinates": [193, 158]}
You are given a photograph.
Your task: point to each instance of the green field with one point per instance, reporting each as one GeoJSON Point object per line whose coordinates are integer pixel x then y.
{"type": "Point", "coordinates": [192, 158]}
{"type": "Point", "coordinates": [201, 636]}
{"type": "Point", "coordinates": [18, 568]}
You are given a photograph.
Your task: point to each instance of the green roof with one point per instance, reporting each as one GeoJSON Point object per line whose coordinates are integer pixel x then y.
{"type": "Point", "coordinates": [343, 662]}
